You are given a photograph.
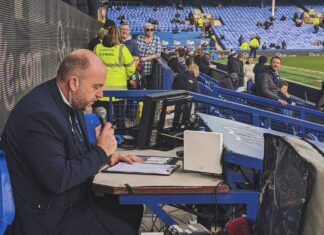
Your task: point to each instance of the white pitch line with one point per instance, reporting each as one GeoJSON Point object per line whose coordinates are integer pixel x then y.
{"type": "Point", "coordinates": [301, 69]}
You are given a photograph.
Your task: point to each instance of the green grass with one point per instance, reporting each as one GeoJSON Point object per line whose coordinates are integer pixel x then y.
{"type": "Point", "coordinates": [315, 63]}
{"type": "Point", "coordinates": [303, 69]}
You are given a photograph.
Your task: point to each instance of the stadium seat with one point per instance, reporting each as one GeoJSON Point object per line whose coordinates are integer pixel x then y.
{"type": "Point", "coordinates": [91, 122]}
{"type": "Point", "coordinates": [7, 206]}
{"type": "Point", "coordinates": [239, 226]}
{"type": "Point", "coordinates": [237, 22]}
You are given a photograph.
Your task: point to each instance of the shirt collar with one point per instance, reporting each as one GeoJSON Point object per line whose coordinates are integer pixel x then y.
{"type": "Point", "coordinates": [63, 97]}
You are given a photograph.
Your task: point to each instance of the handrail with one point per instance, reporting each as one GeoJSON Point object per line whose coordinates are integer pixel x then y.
{"type": "Point", "coordinates": [255, 113]}
{"type": "Point", "coordinates": [302, 111]}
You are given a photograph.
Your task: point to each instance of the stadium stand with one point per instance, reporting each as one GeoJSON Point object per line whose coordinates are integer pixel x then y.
{"type": "Point", "coordinates": [239, 20]}
{"type": "Point", "coordinates": [137, 16]}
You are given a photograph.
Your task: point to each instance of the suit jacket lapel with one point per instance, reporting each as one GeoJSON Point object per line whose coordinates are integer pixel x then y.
{"type": "Point", "coordinates": [83, 128]}
{"type": "Point", "coordinates": [65, 111]}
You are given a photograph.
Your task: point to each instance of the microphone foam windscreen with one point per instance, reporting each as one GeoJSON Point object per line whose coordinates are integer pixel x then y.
{"type": "Point", "coordinates": [101, 112]}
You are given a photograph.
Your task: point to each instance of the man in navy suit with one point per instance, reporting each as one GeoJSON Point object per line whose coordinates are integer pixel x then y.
{"type": "Point", "coordinates": [51, 162]}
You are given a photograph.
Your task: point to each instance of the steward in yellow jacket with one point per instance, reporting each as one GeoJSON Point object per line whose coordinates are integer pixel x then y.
{"type": "Point", "coordinates": [244, 46]}
{"type": "Point", "coordinates": [119, 64]}
{"type": "Point", "coordinates": [200, 22]}
{"type": "Point", "coordinates": [254, 43]}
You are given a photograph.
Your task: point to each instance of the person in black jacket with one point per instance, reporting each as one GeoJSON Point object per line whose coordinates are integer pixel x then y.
{"type": "Point", "coordinates": [191, 18]}
{"type": "Point", "coordinates": [228, 81]}
{"type": "Point", "coordinates": [260, 66]}
{"type": "Point", "coordinates": [95, 41]}
{"type": "Point", "coordinates": [174, 63]}
{"type": "Point", "coordinates": [202, 61]}
{"type": "Point", "coordinates": [235, 65]}
{"type": "Point", "coordinates": [187, 80]}
{"type": "Point", "coordinates": [268, 81]}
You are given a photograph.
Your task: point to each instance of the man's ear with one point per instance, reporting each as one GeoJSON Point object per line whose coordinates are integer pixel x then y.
{"type": "Point", "coordinates": [74, 83]}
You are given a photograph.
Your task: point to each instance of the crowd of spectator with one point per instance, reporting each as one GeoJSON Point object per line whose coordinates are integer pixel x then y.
{"type": "Point", "coordinates": [187, 64]}
{"type": "Point", "coordinates": [129, 62]}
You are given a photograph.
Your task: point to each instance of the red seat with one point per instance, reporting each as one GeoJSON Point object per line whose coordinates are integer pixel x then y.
{"type": "Point", "coordinates": [239, 226]}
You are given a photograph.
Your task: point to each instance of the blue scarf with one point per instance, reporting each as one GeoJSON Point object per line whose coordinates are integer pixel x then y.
{"type": "Point", "coordinates": [276, 77]}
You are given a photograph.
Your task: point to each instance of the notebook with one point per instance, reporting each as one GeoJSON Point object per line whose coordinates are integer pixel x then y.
{"type": "Point", "coordinates": [152, 165]}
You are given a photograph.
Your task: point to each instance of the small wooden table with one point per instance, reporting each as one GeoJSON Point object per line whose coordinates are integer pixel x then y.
{"type": "Point", "coordinates": [178, 188]}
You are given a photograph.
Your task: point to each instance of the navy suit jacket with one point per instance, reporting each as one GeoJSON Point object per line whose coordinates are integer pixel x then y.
{"type": "Point", "coordinates": [50, 176]}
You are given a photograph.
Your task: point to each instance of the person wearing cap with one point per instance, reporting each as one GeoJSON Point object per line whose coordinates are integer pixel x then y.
{"type": "Point", "coordinates": [228, 81]}
{"type": "Point", "coordinates": [149, 48]}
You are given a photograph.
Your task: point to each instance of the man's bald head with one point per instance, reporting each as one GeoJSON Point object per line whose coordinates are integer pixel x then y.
{"type": "Point", "coordinates": [76, 62]}
{"type": "Point", "coordinates": [81, 77]}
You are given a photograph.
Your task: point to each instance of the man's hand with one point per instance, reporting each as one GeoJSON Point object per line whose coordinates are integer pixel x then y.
{"type": "Point", "coordinates": [117, 157]}
{"type": "Point", "coordinates": [282, 102]}
{"type": "Point", "coordinates": [142, 59]}
{"type": "Point", "coordinates": [133, 84]}
{"type": "Point", "coordinates": [106, 139]}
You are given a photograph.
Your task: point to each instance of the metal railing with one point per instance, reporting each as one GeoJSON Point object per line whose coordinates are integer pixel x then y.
{"type": "Point", "coordinates": [226, 109]}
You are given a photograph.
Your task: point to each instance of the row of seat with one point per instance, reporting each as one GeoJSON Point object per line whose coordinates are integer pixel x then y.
{"type": "Point", "coordinates": [137, 16]}
{"type": "Point", "coordinates": [240, 20]}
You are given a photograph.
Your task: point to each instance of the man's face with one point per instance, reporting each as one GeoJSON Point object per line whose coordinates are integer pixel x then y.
{"type": "Point", "coordinates": [90, 86]}
{"type": "Point", "coordinates": [124, 31]}
{"type": "Point", "coordinates": [275, 64]}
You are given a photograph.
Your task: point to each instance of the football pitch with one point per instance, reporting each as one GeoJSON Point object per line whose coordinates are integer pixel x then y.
{"type": "Point", "coordinates": [307, 70]}
{"type": "Point", "coordinates": [304, 69]}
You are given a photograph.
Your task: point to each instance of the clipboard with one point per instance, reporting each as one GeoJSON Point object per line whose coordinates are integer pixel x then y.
{"type": "Point", "coordinates": [152, 165]}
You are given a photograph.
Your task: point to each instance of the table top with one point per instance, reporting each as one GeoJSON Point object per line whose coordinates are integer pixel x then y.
{"type": "Point", "coordinates": [240, 138]}
{"type": "Point", "coordinates": [177, 183]}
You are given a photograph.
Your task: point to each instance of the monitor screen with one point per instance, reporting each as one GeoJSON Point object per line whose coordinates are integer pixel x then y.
{"type": "Point", "coordinates": [164, 114]}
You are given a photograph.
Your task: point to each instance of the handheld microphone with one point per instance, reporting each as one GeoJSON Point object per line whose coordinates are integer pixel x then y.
{"type": "Point", "coordinates": [101, 112]}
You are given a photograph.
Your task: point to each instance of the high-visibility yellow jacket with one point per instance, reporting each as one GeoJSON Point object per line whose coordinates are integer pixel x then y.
{"type": "Point", "coordinates": [316, 21]}
{"type": "Point", "coordinates": [311, 11]}
{"type": "Point", "coordinates": [254, 43]}
{"type": "Point", "coordinates": [119, 66]}
{"type": "Point", "coordinates": [200, 22]}
{"type": "Point", "coordinates": [244, 46]}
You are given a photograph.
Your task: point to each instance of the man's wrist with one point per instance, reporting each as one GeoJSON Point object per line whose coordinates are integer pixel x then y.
{"type": "Point", "coordinates": [102, 154]}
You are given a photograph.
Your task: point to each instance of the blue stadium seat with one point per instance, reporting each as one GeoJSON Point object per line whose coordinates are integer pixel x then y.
{"type": "Point", "coordinates": [7, 206]}
{"type": "Point", "coordinates": [91, 122]}
{"type": "Point", "coordinates": [237, 22]}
